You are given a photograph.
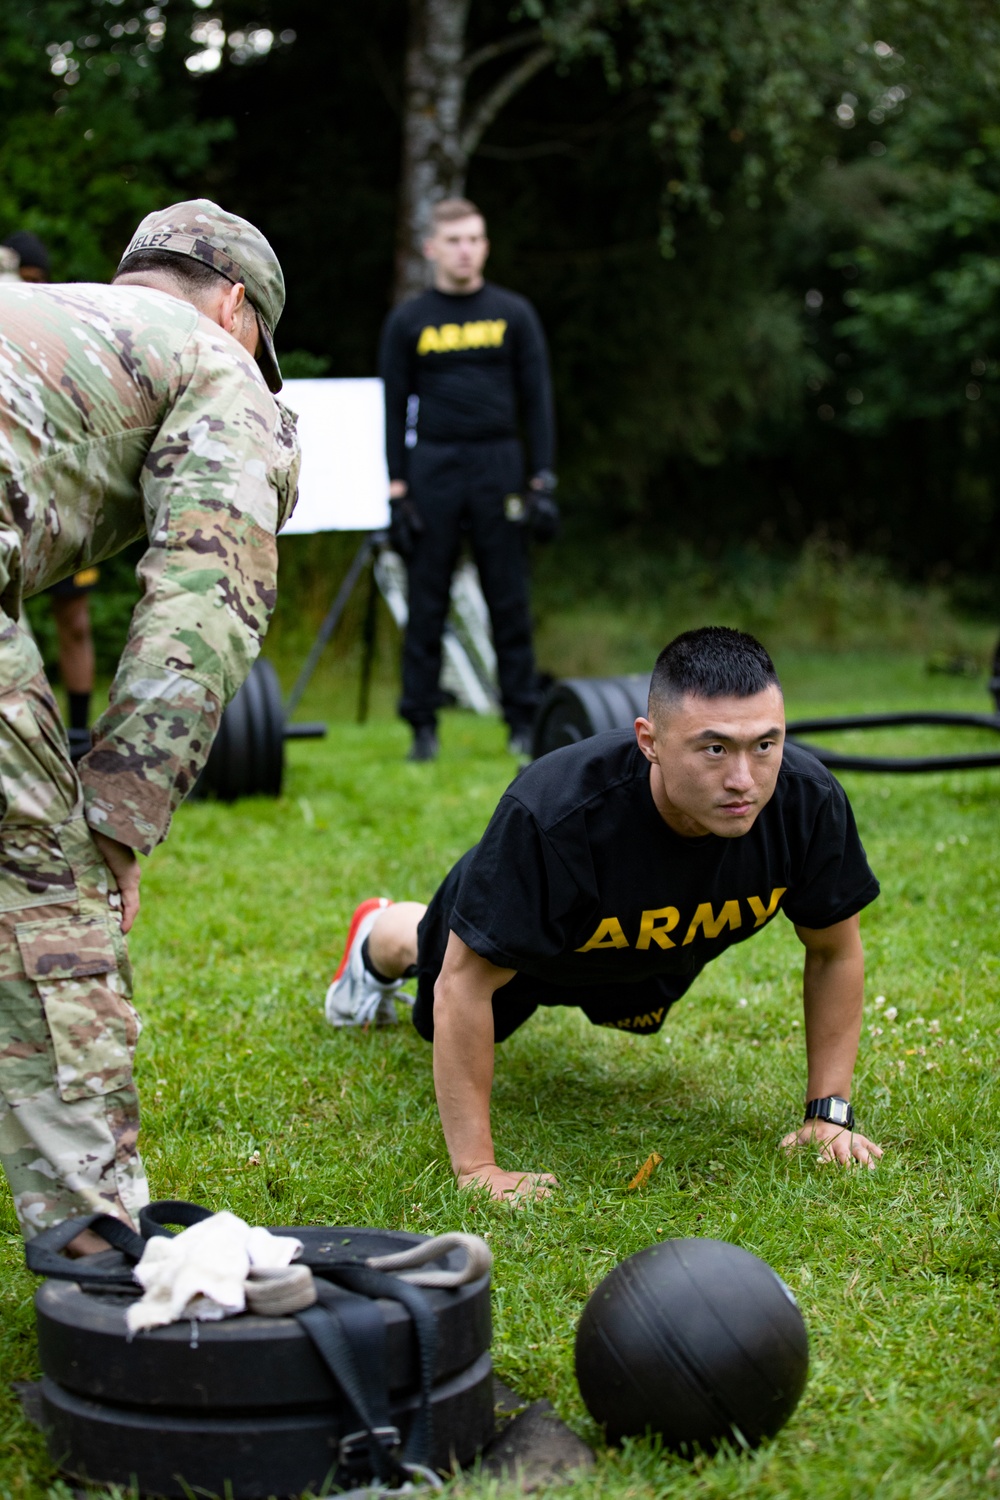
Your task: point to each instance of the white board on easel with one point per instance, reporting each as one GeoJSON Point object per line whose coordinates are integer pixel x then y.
{"type": "Point", "coordinates": [344, 482]}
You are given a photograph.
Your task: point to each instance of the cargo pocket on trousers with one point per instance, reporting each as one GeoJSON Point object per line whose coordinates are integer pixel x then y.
{"type": "Point", "coordinates": [92, 1024]}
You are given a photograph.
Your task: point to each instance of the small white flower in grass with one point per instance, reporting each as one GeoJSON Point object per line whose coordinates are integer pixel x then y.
{"type": "Point", "coordinates": [939, 847]}
{"type": "Point", "coordinates": [879, 999]}
{"type": "Point", "coordinates": [891, 1013]}
{"type": "Point", "coordinates": [742, 1002]}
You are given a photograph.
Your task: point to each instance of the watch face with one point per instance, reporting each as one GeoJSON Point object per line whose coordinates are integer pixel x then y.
{"type": "Point", "coordinates": [838, 1112]}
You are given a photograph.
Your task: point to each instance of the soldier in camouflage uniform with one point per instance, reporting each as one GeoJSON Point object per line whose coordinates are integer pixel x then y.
{"type": "Point", "coordinates": [143, 409]}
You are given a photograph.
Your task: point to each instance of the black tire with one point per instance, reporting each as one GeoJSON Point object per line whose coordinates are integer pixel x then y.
{"type": "Point", "coordinates": [579, 707]}
{"type": "Point", "coordinates": [246, 1363]}
{"type": "Point", "coordinates": [170, 1454]}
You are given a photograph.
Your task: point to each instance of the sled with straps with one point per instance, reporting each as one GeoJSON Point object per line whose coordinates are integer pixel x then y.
{"type": "Point", "coordinates": [376, 1378]}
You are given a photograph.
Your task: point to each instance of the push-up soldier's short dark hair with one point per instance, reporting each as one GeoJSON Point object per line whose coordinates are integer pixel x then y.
{"type": "Point", "coordinates": [193, 275]}
{"type": "Point", "coordinates": [713, 662]}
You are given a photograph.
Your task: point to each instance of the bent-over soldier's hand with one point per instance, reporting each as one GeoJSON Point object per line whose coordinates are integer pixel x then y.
{"type": "Point", "coordinates": [124, 866]}
{"type": "Point", "coordinates": [508, 1185]}
{"type": "Point", "coordinates": [835, 1143]}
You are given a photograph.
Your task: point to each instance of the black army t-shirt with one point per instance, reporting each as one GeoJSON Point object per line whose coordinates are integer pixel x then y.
{"type": "Point", "coordinates": [474, 361]}
{"type": "Point", "coordinates": [580, 885]}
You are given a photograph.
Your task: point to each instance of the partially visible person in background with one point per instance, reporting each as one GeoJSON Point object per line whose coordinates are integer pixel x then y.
{"type": "Point", "coordinates": [462, 365]}
{"type": "Point", "coordinates": [70, 608]}
{"type": "Point", "coordinates": [71, 612]}
{"type": "Point", "coordinates": [33, 262]}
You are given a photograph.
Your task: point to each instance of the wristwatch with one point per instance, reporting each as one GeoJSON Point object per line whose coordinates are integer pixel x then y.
{"type": "Point", "coordinates": [833, 1109]}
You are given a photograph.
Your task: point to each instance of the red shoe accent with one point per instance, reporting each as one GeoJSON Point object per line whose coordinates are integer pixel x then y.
{"type": "Point", "coordinates": [374, 903]}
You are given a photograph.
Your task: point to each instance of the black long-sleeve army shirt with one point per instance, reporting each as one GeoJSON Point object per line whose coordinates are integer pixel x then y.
{"type": "Point", "coordinates": [475, 362]}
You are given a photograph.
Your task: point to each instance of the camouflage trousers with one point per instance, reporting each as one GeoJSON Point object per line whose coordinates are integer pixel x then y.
{"type": "Point", "coordinates": [69, 1115]}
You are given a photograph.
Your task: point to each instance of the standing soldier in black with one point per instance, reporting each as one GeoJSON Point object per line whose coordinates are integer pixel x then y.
{"type": "Point", "coordinates": [461, 363]}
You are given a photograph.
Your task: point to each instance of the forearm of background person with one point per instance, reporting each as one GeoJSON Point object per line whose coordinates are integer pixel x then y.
{"type": "Point", "coordinates": [833, 984]}
{"type": "Point", "coordinates": [535, 390]}
{"type": "Point", "coordinates": [394, 370]}
{"type": "Point", "coordinates": [463, 1069]}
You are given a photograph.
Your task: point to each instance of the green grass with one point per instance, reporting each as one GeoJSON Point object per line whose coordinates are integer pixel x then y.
{"type": "Point", "coordinates": [252, 1103]}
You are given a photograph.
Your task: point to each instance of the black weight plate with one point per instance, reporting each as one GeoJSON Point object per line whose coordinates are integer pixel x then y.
{"type": "Point", "coordinates": [579, 707]}
{"type": "Point", "coordinates": [273, 747]}
{"type": "Point", "coordinates": [244, 1363]}
{"type": "Point", "coordinates": [247, 1457]}
{"type": "Point", "coordinates": [240, 779]}
{"type": "Point", "coordinates": [247, 758]}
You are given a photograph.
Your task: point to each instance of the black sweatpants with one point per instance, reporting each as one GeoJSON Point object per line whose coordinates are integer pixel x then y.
{"type": "Point", "coordinates": [459, 488]}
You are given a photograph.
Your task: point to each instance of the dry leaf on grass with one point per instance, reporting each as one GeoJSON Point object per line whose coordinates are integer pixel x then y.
{"type": "Point", "coordinates": [645, 1172]}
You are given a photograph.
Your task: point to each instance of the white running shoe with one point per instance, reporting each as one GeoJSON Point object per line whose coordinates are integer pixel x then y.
{"type": "Point", "coordinates": [355, 996]}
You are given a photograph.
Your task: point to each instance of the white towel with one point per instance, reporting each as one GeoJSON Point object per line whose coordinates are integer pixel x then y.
{"type": "Point", "coordinates": [201, 1272]}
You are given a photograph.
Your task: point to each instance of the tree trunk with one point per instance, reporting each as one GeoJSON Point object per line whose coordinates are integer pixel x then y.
{"type": "Point", "coordinates": [434, 161]}
{"type": "Point", "coordinates": [439, 133]}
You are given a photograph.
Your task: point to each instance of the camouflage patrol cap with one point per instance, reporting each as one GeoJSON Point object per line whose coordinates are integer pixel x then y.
{"type": "Point", "coordinates": [232, 246]}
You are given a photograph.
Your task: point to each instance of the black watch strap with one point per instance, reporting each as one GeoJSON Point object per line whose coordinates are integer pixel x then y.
{"type": "Point", "coordinates": [833, 1109]}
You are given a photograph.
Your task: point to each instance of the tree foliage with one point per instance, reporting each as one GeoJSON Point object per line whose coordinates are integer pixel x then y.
{"type": "Point", "coordinates": [97, 124]}
{"type": "Point", "coordinates": [763, 239]}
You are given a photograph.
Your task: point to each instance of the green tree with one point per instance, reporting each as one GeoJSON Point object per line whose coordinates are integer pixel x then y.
{"type": "Point", "coordinates": [97, 123]}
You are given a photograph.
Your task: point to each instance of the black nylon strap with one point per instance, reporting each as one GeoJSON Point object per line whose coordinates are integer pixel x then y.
{"type": "Point", "coordinates": [44, 1253]}
{"type": "Point", "coordinates": [154, 1218]}
{"type": "Point", "coordinates": [380, 1284]}
{"type": "Point", "coordinates": [328, 1323]}
{"type": "Point", "coordinates": [120, 1236]}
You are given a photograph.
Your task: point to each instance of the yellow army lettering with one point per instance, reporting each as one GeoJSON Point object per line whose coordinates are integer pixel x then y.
{"type": "Point", "coordinates": [486, 334]}
{"type": "Point", "coordinates": [711, 924]}
{"type": "Point", "coordinates": [758, 908]}
{"type": "Point", "coordinates": [637, 1023]}
{"type": "Point", "coordinates": [656, 922]}
{"type": "Point", "coordinates": [608, 935]}
{"type": "Point", "coordinates": [655, 925]}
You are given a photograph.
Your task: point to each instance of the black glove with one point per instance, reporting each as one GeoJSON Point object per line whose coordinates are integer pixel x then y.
{"type": "Point", "coordinates": [543, 512]}
{"type": "Point", "coordinates": [406, 526]}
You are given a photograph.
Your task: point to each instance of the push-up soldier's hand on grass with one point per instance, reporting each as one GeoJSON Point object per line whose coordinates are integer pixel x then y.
{"type": "Point", "coordinates": [124, 866]}
{"type": "Point", "coordinates": [835, 1142]}
{"type": "Point", "coordinates": [833, 998]}
{"type": "Point", "coordinates": [463, 1073]}
{"type": "Point", "coordinates": [508, 1185]}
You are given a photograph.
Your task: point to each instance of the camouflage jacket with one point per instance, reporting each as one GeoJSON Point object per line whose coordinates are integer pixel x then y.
{"type": "Point", "coordinates": [125, 414]}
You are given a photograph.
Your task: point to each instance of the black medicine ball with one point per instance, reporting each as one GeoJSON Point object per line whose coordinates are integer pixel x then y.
{"type": "Point", "coordinates": [697, 1340]}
